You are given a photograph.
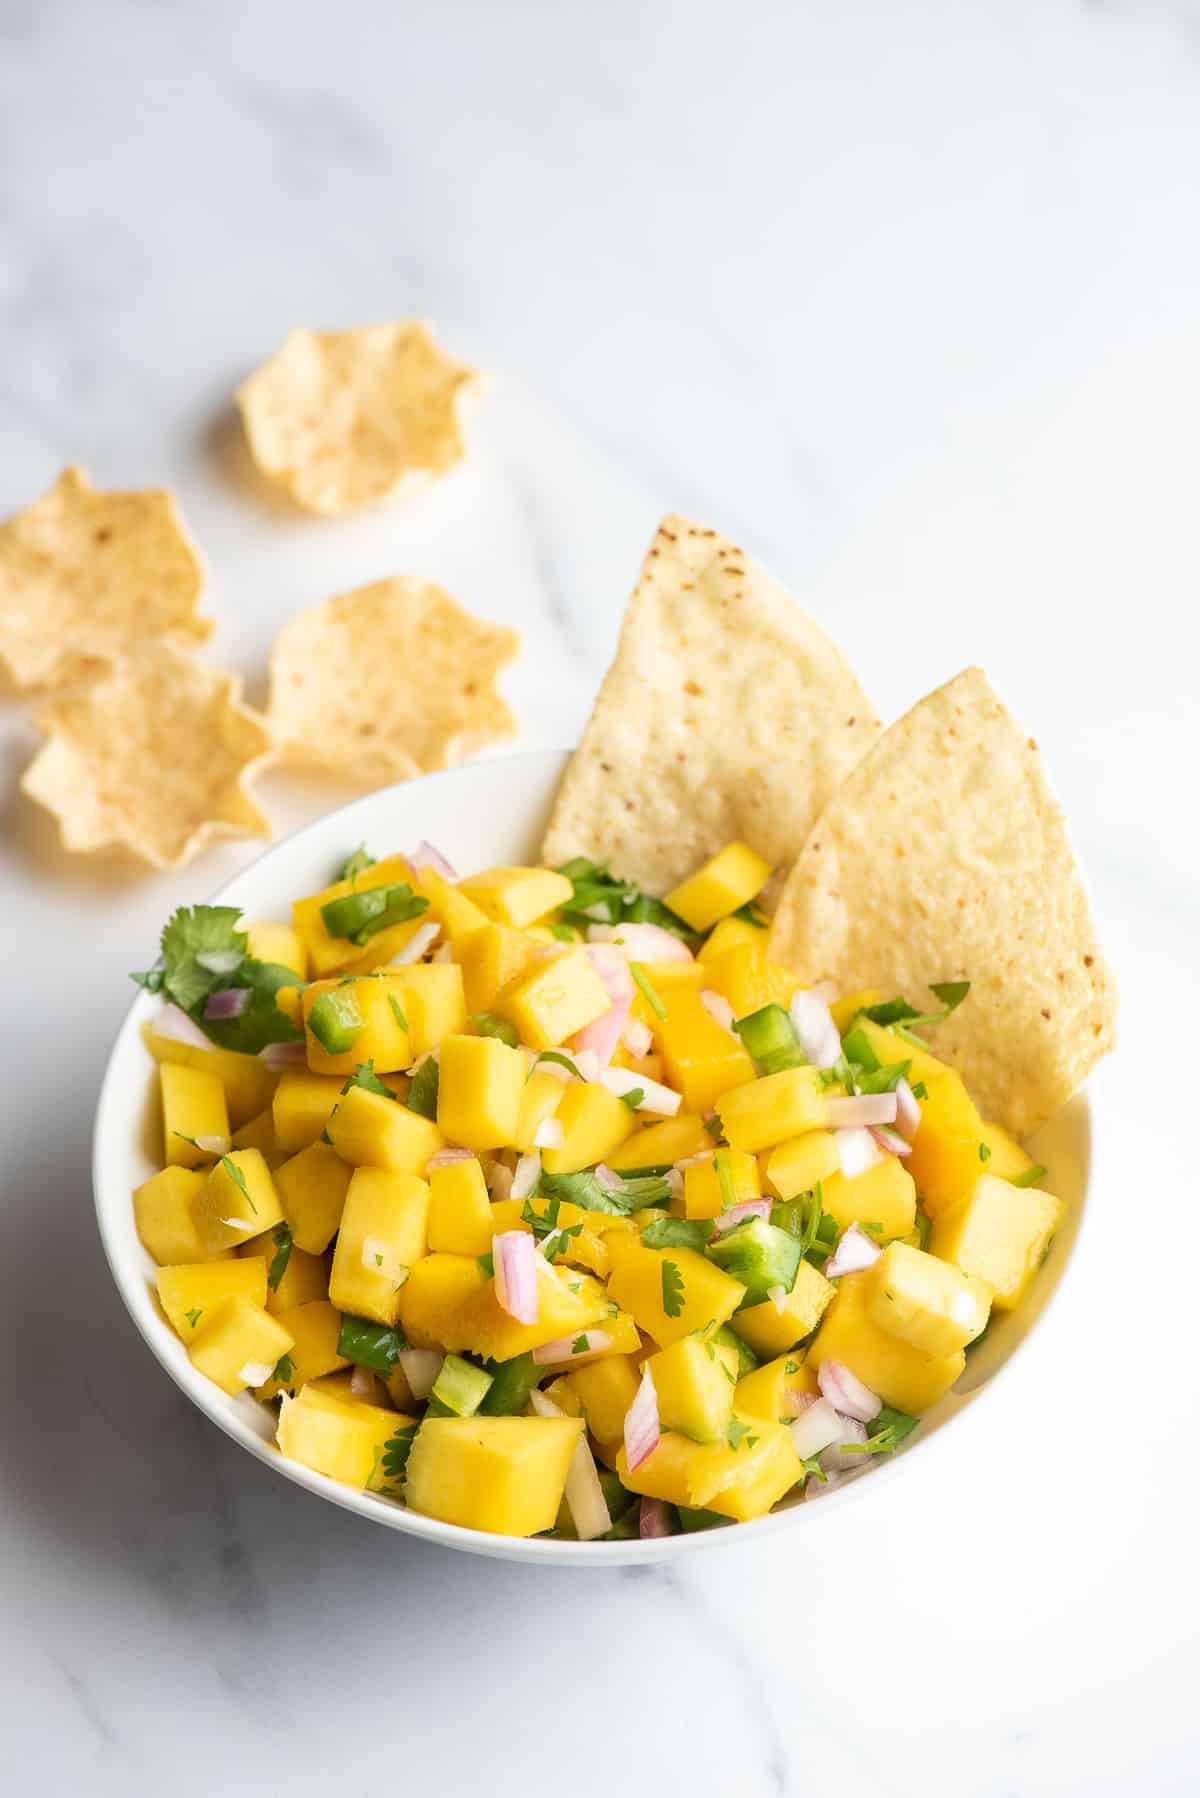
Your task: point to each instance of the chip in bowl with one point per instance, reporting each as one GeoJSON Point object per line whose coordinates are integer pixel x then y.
{"type": "Point", "coordinates": [153, 756]}
{"type": "Point", "coordinates": [341, 419]}
{"type": "Point", "coordinates": [86, 574]}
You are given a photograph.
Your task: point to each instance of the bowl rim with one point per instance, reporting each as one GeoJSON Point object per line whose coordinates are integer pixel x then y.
{"type": "Point", "coordinates": [219, 1409]}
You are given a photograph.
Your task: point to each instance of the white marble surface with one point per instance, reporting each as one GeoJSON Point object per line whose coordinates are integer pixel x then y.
{"type": "Point", "coordinates": [905, 298]}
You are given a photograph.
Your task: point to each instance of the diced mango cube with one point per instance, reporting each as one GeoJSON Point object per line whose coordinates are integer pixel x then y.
{"type": "Point", "coordinates": [259, 1133]}
{"type": "Point", "coordinates": [239, 1345]}
{"type": "Point", "coordinates": [278, 943]}
{"type": "Point", "coordinates": [313, 1186]}
{"type": "Point", "coordinates": [248, 1082]}
{"type": "Point", "coordinates": [999, 1233]}
{"type": "Point", "coordinates": [661, 1145]}
{"type": "Point", "coordinates": [368, 1130]}
{"type": "Point", "coordinates": [479, 1091]}
{"type": "Point", "coordinates": [702, 1061]}
{"type": "Point", "coordinates": [729, 879]}
{"type": "Point", "coordinates": [925, 1301]}
{"type": "Point", "coordinates": [162, 1211]}
{"type": "Point", "coordinates": [746, 1481]}
{"type": "Point", "coordinates": [517, 896]}
{"type": "Point", "coordinates": [948, 1150]}
{"type": "Point", "coordinates": [884, 1197]}
{"type": "Point", "coordinates": [771, 1329]}
{"type": "Point", "coordinates": [769, 1110]}
{"type": "Point", "coordinates": [540, 1098]}
{"type": "Point", "coordinates": [489, 958]}
{"type": "Point", "coordinates": [383, 1037]}
{"type": "Point", "coordinates": [301, 1107]}
{"type": "Point", "coordinates": [702, 1191]}
{"type": "Point", "coordinates": [749, 979]}
{"type": "Point", "coordinates": [193, 1105]}
{"type": "Point", "coordinates": [567, 1304]}
{"type": "Point", "coordinates": [595, 1123]}
{"type": "Point", "coordinates": [505, 1475]}
{"type": "Point", "coordinates": [606, 1388]}
{"type": "Point", "coordinates": [314, 1329]}
{"type": "Point", "coordinates": [433, 1000]}
{"type": "Point", "coordinates": [666, 1472]}
{"type": "Point", "coordinates": [694, 1388]}
{"type": "Point", "coordinates": [238, 1200]}
{"type": "Point", "coordinates": [769, 1390]}
{"type": "Point", "coordinates": [899, 1373]}
{"type": "Point", "coordinates": [796, 1166]}
{"type": "Point", "coordinates": [890, 1048]}
{"type": "Point", "coordinates": [191, 1293]}
{"type": "Point", "coordinates": [304, 1278]}
{"type": "Point", "coordinates": [727, 935]}
{"type": "Point", "coordinates": [669, 1292]}
{"type": "Point", "coordinates": [553, 998]}
{"type": "Point", "coordinates": [383, 1233]}
{"type": "Point", "coordinates": [460, 1212]}
{"type": "Point", "coordinates": [435, 1298]}
{"type": "Point", "coordinates": [458, 915]}
{"type": "Point", "coordinates": [347, 1440]}
{"type": "Point", "coordinates": [1005, 1158]}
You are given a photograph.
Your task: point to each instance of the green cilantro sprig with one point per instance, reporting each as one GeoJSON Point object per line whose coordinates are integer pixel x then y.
{"type": "Point", "coordinates": [672, 1289]}
{"type": "Point", "coordinates": [202, 952]}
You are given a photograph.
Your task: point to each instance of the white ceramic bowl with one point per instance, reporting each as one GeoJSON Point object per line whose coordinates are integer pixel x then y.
{"type": "Point", "coordinates": [489, 812]}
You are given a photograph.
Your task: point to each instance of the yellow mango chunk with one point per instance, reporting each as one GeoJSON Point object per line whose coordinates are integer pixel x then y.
{"type": "Point", "coordinates": [304, 1279]}
{"type": "Point", "coordinates": [606, 1388]}
{"type": "Point", "coordinates": [368, 1130]}
{"type": "Point", "coordinates": [553, 998]}
{"type": "Point", "coordinates": [189, 1294]}
{"type": "Point", "coordinates": [383, 1233]}
{"type": "Point", "coordinates": [238, 1200]}
{"type": "Point", "coordinates": [999, 1233]}
{"type": "Point", "coordinates": [729, 879]}
{"type": "Point", "coordinates": [238, 1345]}
{"type": "Point", "coordinates": [490, 957]}
{"type": "Point", "coordinates": [890, 1048]}
{"type": "Point", "coordinates": [1005, 1157]}
{"type": "Point", "coordinates": [517, 896]}
{"type": "Point", "coordinates": [248, 1082]}
{"type": "Point", "coordinates": [766, 1391]}
{"type": "Point", "coordinates": [746, 1481]}
{"type": "Point", "coordinates": [433, 1000]}
{"type": "Point", "coordinates": [702, 1061]}
{"type": "Point", "coordinates": [661, 1145]}
{"type": "Point", "coordinates": [946, 1158]}
{"type": "Point", "coordinates": [595, 1123]}
{"type": "Point", "coordinates": [666, 1472]}
{"type": "Point", "coordinates": [314, 1329]}
{"type": "Point", "coordinates": [669, 1292]}
{"type": "Point", "coordinates": [479, 1092]}
{"type": "Point", "coordinates": [924, 1301]}
{"type": "Point", "coordinates": [769, 1110]}
{"type": "Point", "coordinates": [193, 1105]}
{"type": "Point", "coordinates": [434, 1301]}
{"type": "Point", "coordinates": [567, 1304]}
{"type": "Point", "coordinates": [259, 1133]}
{"type": "Point", "coordinates": [540, 1099]}
{"type": "Point", "coordinates": [884, 1196]}
{"type": "Point", "coordinates": [728, 934]}
{"type": "Point", "coordinates": [702, 1192]}
{"type": "Point", "coordinates": [505, 1475]}
{"type": "Point", "coordinates": [749, 979]}
{"type": "Point", "coordinates": [695, 1391]}
{"type": "Point", "coordinates": [313, 1186]}
{"type": "Point", "coordinates": [338, 955]}
{"type": "Point", "coordinates": [301, 1107]}
{"type": "Point", "coordinates": [795, 1166]}
{"type": "Point", "coordinates": [162, 1211]}
{"type": "Point", "coordinates": [460, 1212]}
{"type": "Point", "coordinates": [278, 943]}
{"type": "Point", "coordinates": [899, 1373]}
{"type": "Point", "coordinates": [347, 1440]}
{"type": "Point", "coordinates": [383, 1038]}
{"type": "Point", "coordinates": [772, 1332]}
{"type": "Point", "coordinates": [458, 915]}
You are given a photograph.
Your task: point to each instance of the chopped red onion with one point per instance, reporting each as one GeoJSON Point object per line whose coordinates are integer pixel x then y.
{"type": "Point", "coordinates": [175, 1024]}
{"type": "Point", "coordinates": [213, 1145]}
{"type": "Point", "coordinates": [514, 1257]}
{"type": "Point", "coordinates": [422, 938]}
{"type": "Point", "coordinates": [795, 1403]}
{"type": "Point", "coordinates": [908, 1110]}
{"type": "Point", "coordinates": [846, 1392]}
{"type": "Point", "coordinates": [420, 1368]}
{"type": "Point", "coordinates": [857, 1151]}
{"type": "Point", "coordinates": [566, 1348]}
{"type": "Point", "coordinates": [674, 1180]}
{"type": "Point", "coordinates": [447, 1157]}
{"type": "Point", "coordinates": [816, 1427]}
{"type": "Point", "coordinates": [737, 1214]}
{"type": "Point", "coordinates": [637, 1037]}
{"type": "Point", "coordinates": [362, 1382]}
{"type": "Point", "coordinates": [426, 856]}
{"type": "Point", "coordinates": [551, 1133]}
{"type": "Point", "coordinates": [526, 1175]}
{"type": "Point", "coordinates": [834, 1460]}
{"type": "Point", "coordinates": [718, 1008]}
{"type": "Point", "coordinates": [813, 1024]}
{"type": "Point", "coordinates": [664, 1101]}
{"type": "Point", "coordinates": [586, 1064]}
{"type": "Point", "coordinates": [854, 1252]}
{"type": "Point", "coordinates": [226, 1002]}
{"type": "Point", "coordinates": [861, 1109]}
{"type": "Point", "coordinates": [606, 1179]}
{"type": "Point", "coordinates": [654, 1520]}
{"type": "Point", "coordinates": [284, 1055]}
{"type": "Point", "coordinates": [583, 1492]}
{"type": "Point", "coordinates": [602, 1035]}
{"type": "Point", "coordinates": [890, 1139]}
{"type": "Point", "coordinates": [642, 1427]}
{"type": "Point", "coordinates": [642, 942]}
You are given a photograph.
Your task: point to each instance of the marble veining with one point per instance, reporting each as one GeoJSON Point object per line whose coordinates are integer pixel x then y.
{"type": "Point", "coordinates": [906, 299]}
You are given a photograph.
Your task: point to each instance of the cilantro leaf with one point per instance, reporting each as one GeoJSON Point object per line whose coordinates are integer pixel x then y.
{"type": "Point", "coordinates": [985, 1151]}
{"type": "Point", "coordinates": [890, 1429]}
{"type": "Point", "coordinates": [486, 1265]}
{"type": "Point", "coordinates": [580, 1345]}
{"type": "Point", "coordinates": [365, 1076]}
{"type": "Point", "coordinates": [281, 1236]}
{"type": "Point", "coordinates": [194, 1315]}
{"type": "Point", "coordinates": [642, 981]}
{"type": "Point", "coordinates": [672, 1289]}
{"type": "Point", "coordinates": [239, 1180]}
{"type": "Point", "coordinates": [950, 992]}
{"type": "Point", "coordinates": [600, 897]}
{"type": "Point", "coordinates": [192, 932]}
{"type": "Point", "coordinates": [423, 1089]}
{"type": "Point", "coordinates": [678, 1233]}
{"type": "Point", "coordinates": [285, 1371]}
{"type": "Point", "coordinates": [203, 951]}
{"type": "Point", "coordinates": [633, 1097]}
{"type": "Point", "coordinates": [370, 1344]}
{"type": "Point", "coordinates": [583, 1189]}
{"type": "Point", "coordinates": [738, 1432]}
{"type": "Point", "coordinates": [546, 1227]}
{"type": "Point", "coordinates": [399, 1016]}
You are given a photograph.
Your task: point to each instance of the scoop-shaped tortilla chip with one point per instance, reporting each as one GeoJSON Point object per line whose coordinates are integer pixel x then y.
{"type": "Point", "coordinates": [339, 419]}
{"type": "Point", "coordinates": [85, 574]}
{"type": "Point", "coordinates": [153, 756]}
{"type": "Point", "coordinates": [389, 681]}
{"type": "Point", "coordinates": [945, 856]}
{"type": "Point", "coordinates": [726, 714]}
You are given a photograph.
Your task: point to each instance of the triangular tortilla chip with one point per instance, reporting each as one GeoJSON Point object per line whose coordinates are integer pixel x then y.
{"type": "Point", "coordinates": [340, 418]}
{"type": "Point", "coordinates": [389, 681]}
{"type": "Point", "coordinates": [84, 575]}
{"type": "Point", "coordinates": [153, 756]}
{"type": "Point", "coordinates": [726, 714]}
{"type": "Point", "coordinates": [945, 856]}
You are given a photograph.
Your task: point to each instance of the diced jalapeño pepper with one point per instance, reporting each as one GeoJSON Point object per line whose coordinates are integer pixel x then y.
{"type": "Point", "coordinates": [358, 916]}
{"type": "Point", "coordinates": [771, 1039]}
{"type": "Point", "coordinates": [336, 1021]}
{"type": "Point", "coordinates": [760, 1255]}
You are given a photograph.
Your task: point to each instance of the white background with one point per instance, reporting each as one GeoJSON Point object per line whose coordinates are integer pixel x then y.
{"type": "Point", "coordinates": [905, 298]}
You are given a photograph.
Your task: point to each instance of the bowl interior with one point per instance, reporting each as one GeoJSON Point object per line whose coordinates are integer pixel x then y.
{"type": "Point", "coordinates": [488, 812]}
